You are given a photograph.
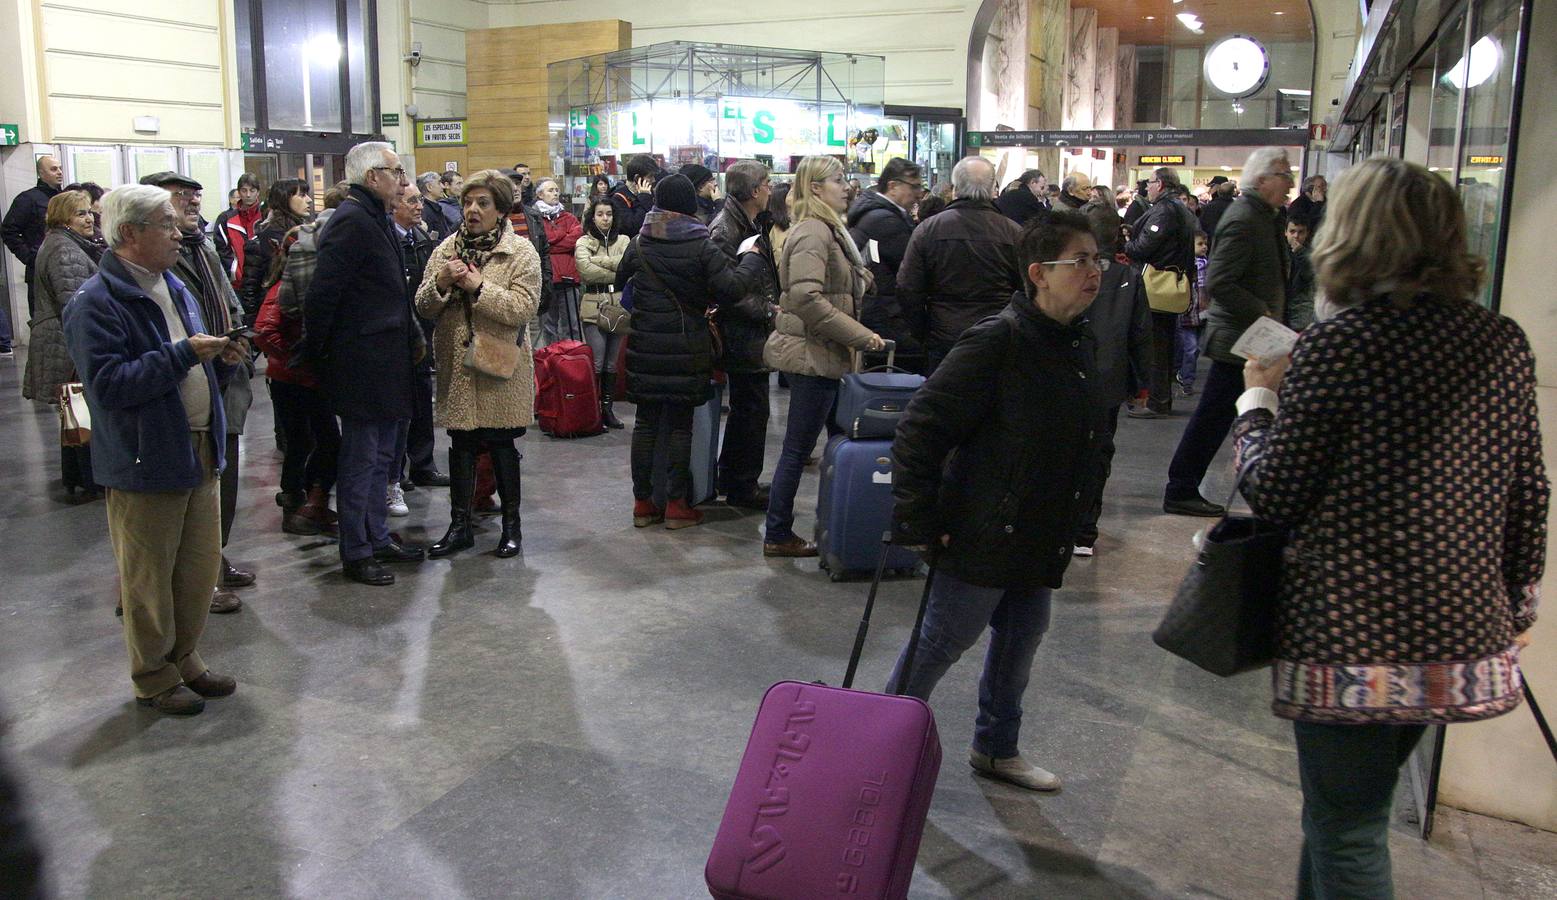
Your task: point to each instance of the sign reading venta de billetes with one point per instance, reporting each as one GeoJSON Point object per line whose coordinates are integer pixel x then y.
{"type": "Point", "coordinates": [440, 133]}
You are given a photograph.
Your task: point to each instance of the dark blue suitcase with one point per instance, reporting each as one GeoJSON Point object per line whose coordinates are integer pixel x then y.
{"type": "Point", "coordinates": [871, 402]}
{"type": "Point", "coordinates": [705, 453]}
{"type": "Point", "coordinates": [854, 509]}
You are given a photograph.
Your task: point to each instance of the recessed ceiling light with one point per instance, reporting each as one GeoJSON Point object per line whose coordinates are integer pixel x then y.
{"type": "Point", "coordinates": [1150, 18]}
{"type": "Point", "coordinates": [1278, 13]}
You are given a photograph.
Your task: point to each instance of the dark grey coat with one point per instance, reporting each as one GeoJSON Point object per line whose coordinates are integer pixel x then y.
{"type": "Point", "coordinates": [238, 392]}
{"type": "Point", "coordinates": [60, 268]}
{"type": "Point", "coordinates": [745, 325]}
{"type": "Point", "coordinates": [1122, 324]}
{"type": "Point", "coordinates": [1246, 275]}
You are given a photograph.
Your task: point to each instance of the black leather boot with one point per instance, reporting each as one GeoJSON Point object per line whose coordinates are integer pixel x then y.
{"type": "Point", "coordinates": [462, 487]}
{"type": "Point", "coordinates": [505, 465]}
{"type": "Point", "coordinates": [608, 415]}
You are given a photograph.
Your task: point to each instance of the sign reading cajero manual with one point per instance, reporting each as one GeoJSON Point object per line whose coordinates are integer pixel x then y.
{"type": "Point", "coordinates": [440, 133]}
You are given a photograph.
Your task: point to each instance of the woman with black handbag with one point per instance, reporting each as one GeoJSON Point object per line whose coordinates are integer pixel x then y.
{"type": "Point", "coordinates": [482, 286]}
{"type": "Point", "coordinates": [678, 274]}
{"type": "Point", "coordinates": [1404, 458]}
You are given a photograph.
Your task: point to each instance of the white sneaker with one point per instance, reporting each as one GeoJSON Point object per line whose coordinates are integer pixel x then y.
{"type": "Point", "coordinates": [396, 500]}
{"type": "Point", "coordinates": [1014, 770]}
{"type": "Point", "coordinates": [1081, 550]}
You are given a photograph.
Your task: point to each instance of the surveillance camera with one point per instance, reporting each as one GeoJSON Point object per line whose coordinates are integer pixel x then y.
{"type": "Point", "coordinates": [415, 57]}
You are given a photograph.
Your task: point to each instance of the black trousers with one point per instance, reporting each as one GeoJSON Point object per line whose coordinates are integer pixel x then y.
{"type": "Point", "coordinates": [419, 439]}
{"type": "Point", "coordinates": [1164, 340]}
{"type": "Point", "coordinates": [1103, 466]}
{"type": "Point", "coordinates": [646, 435]}
{"type": "Point", "coordinates": [313, 437]}
{"type": "Point", "coordinates": [229, 487]}
{"type": "Point", "coordinates": [1207, 428]}
{"type": "Point", "coordinates": [745, 434]}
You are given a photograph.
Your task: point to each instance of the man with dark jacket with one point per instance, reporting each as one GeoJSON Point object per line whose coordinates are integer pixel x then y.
{"type": "Point", "coordinates": [438, 225]}
{"type": "Point", "coordinates": [633, 196]}
{"type": "Point", "coordinates": [23, 231]}
{"type": "Point", "coordinates": [1025, 199]}
{"type": "Point", "coordinates": [960, 266]}
{"type": "Point", "coordinates": [745, 327]}
{"type": "Point", "coordinates": [1222, 195]}
{"type": "Point", "coordinates": [1246, 277]}
{"type": "Point", "coordinates": [416, 248]}
{"type": "Point", "coordinates": [707, 186]}
{"type": "Point", "coordinates": [1164, 239]}
{"type": "Point", "coordinates": [363, 341]}
{"type": "Point", "coordinates": [1121, 324]}
{"type": "Point", "coordinates": [200, 269]}
{"type": "Point", "coordinates": [153, 383]}
{"type": "Point", "coordinates": [881, 215]}
{"type": "Point", "coordinates": [991, 463]}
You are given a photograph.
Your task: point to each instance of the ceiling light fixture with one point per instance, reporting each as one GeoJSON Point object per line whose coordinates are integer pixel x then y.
{"type": "Point", "coordinates": [1485, 57]}
{"type": "Point", "coordinates": [1150, 18]}
{"type": "Point", "coordinates": [1191, 21]}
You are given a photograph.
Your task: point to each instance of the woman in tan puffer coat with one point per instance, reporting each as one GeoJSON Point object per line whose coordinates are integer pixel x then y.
{"type": "Point", "coordinates": [823, 279]}
{"type": "Point", "coordinates": [482, 280]}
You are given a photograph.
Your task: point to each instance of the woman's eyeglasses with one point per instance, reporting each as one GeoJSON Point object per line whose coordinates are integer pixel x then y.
{"type": "Point", "coordinates": [1101, 263]}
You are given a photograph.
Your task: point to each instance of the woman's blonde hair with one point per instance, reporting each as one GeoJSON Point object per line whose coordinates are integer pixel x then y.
{"type": "Point", "coordinates": [64, 206]}
{"type": "Point", "coordinates": [805, 205]}
{"type": "Point", "coordinates": [1393, 225]}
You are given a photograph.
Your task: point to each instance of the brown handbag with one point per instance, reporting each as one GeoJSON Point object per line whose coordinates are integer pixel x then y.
{"type": "Point", "coordinates": [487, 355]}
{"type": "Point", "coordinates": [75, 419]}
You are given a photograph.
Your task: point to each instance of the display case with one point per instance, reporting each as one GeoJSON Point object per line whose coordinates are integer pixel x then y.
{"type": "Point", "coordinates": [712, 104]}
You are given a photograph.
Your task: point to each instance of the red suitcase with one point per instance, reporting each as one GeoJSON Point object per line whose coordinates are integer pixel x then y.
{"type": "Point", "coordinates": [567, 398]}
{"type": "Point", "coordinates": [832, 792]}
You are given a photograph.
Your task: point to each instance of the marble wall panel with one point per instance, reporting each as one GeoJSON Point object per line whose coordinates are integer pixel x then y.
{"type": "Point", "coordinates": [1005, 64]}
{"type": "Point", "coordinates": [1080, 69]}
{"type": "Point", "coordinates": [1106, 78]}
{"type": "Point", "coordinates": [1124, 87]}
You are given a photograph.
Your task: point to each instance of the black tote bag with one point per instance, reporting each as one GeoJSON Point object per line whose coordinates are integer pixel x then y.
{"type": "Point", "coordinates": [1223, 618]}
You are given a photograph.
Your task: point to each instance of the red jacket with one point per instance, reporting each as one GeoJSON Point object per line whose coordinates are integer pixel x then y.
{"type": "Point", "coordinates": [562, 234]}
{"type": "Point", "coordinates": [280, 337]}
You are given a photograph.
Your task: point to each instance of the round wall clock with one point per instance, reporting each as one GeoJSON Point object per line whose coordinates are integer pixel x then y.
{"type": "Point", "coordinates": [1237, 65]}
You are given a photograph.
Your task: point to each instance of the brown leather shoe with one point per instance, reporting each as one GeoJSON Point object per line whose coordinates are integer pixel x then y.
{"type": "Point", "coordinates": [223, 602]}
{"type": "Point", "coordinates": [210, 684]}
{"type": "Point", "coordinates": [175, 701]}
{"type": "Point", "coordinates": [794, 548]}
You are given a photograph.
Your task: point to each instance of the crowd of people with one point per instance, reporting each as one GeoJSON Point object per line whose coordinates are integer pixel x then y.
{"type": "Point", "coordinates": [1037, 314]}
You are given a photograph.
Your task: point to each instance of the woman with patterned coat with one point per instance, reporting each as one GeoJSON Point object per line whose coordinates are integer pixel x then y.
{"type": "Point", "coordinates": [66, 259]}
{"type": "Point", "coordinates": [483, 279]}
{"type": "Point", "coordinates": [1405, 459]}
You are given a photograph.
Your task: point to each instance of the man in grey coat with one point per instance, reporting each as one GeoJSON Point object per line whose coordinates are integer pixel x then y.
{"type": "Point", "coordinates": [1246, 277]}
{"type": "Point", "coordinates": [199, 266]}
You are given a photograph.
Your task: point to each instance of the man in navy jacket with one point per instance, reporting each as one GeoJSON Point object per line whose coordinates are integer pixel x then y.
{"type": "Point", "coordinates": [153, 385]}
{"type": "Point", "coordinates": [364, 340]}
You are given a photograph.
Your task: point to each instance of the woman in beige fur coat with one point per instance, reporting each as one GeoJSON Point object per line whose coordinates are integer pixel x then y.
{"type": "Point", "coordinates": [483, 284]}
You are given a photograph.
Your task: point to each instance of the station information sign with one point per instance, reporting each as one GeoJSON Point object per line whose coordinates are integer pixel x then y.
{"type": "Point", "coordinates": [1176, 159]}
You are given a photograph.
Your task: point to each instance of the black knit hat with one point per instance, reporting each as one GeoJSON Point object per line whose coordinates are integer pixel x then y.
{"type": "Point", "coordinates": [1216, 180]}
{"type": "Point", "coordinates": [676, 194]}
{"type": "Point", "coordinates": [698, 175]}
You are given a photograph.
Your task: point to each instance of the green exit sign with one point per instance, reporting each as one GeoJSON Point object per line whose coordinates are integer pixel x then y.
{"type": "Point", "coordinates": [389, 120]}
{"type": "Point", "coordinates": [10, 135]}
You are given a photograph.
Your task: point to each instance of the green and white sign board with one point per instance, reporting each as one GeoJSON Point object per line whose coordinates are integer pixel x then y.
{"type": "Point", "coordinates": [10, 135]}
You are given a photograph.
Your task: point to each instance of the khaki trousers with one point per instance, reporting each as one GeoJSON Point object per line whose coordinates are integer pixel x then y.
{"type": "Point", "coordinates": [168, 545]}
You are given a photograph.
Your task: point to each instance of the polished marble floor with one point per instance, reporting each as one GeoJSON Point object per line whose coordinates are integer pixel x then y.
{"type": "Point", "coordinates": [565, 724]}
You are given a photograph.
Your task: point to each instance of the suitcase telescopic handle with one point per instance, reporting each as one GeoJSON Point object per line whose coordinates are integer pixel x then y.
{"type": "Point", "coordinates": [870, 605]}
{"type": "Point", "coordinates": [890, 347]}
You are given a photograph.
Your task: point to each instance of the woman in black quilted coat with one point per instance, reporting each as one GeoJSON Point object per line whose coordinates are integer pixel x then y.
{"type": "Point", "coordinates": [677, 274]}
{"type": "Point", "coordinates": [1404, 456]}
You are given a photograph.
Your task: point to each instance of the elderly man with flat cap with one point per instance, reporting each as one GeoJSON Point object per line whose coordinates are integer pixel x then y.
{"type": "Point", "coordinates": [199, 267]}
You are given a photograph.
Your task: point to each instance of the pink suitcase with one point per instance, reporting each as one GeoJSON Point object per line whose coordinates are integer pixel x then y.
{"type": "Point", "coordinates": [832, 793]}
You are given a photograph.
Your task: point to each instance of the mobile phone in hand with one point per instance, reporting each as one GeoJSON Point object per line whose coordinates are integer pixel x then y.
{"type": "Point", "coordinates": [242, 331]}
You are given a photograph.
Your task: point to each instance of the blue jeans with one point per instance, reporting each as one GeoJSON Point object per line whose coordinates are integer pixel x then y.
{"type": "Point", "coordinates": [1188, 353]}
{"type": "Point", "coordinates": [362, 471]}
{"type": "Point", "coordinates": [953, 622]}
{"type": "Point", "coordinates": [1348, 773]}
{"type": "Point", "coordinates": [811, 402]}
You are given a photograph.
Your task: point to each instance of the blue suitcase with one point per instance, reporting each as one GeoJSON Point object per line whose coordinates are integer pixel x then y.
{"type": "Point", "coordinates": [854, 509]}
{"type": "Point", "coordinates": [705, 453]}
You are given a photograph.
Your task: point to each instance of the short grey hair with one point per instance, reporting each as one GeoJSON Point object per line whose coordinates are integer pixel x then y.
{"type": "Point", "coordinates": [973, 178]}
{"type": "Point", "coordinates": [362, 158]}
{"type": "Point", "coordinates": [742, 178]}
{"type": "Point", "coordinates": [426, 180]}
{"type": "Point", "coordinates": [1073, 179]}
{"type": "Point", "coordinates": [1260, 165]}
{"type": "Point", "coordinates": [133, 204]}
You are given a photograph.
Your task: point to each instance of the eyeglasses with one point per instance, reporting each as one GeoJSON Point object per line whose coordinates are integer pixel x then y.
{"type": "Point", "coordinates": [917, 186]}
{"type": "Point", "coordinates": [185, 194]}
{"type": "Point", "coordinates": [397, 171]}
{"type": "Point", "coordinates": [1101, 263]}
